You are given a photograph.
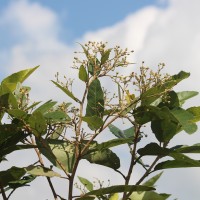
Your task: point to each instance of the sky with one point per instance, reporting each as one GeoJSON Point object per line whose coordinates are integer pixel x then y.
{"type": "Point", "coordinates": [46, 33]}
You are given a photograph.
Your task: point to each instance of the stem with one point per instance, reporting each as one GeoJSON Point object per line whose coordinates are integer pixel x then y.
{"type": "Point", "coordinates": [127, 178]}
{"type": "Point", "coordinates": [3, 192]}
{"type": "Point", "coordinates": [42, 163]}
{"type": "Point", "coordinates": [71, 179]}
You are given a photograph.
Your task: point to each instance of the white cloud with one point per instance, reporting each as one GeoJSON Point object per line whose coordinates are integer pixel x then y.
{"type": "Point", "coordinates": [170, 35]}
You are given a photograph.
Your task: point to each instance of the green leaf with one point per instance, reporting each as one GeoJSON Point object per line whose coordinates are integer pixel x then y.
{"type": "Point", "coordinates": [94, 66]}
{"type": "Point", "coordinates": [10, 148]}
{"type": "Point", "coordinates": [95, 100]}
{"type": "Point", "coordinates": [105, 56]}
{"type": "Point", "coordinates": [45, 107]}
{"type": "Point", "coordinates": [17, 113]}
{"type": "Point", "coordinates": [12, 80]}
{"type": "Point", "coordinates": [10, 135]}
{"type": "Point", "coordinates": [155, 92]}
{"type": "Point", "coordinates": [93, 122]}
{"type": "Point", "coordinates": [38, 124]}
{"type": "Point", "coordinates": [151, 182]}
{"type": "Point", "coordinates": [187, 149]}
{"type": "Point", "coordinates": [66, 91]}
{"type": "Point", "coordinates": [41, 171]}
{"type": "Point", "coordinates": [83, 76]}
{"type": "Point", "coordinates": [118, 189]}
{"type": "Point", "coordinates": [185, 95]}
{"type": "Point", "coordinates": [180, 161]}
{"type": "Point", "coordinates": [154, 149]}
{"type": "Point", "coordinates": [60, 153]}
{"type": "Point", "coordinates": [195, 111]}
{"type": "Point", "coordinates": [150, 195]}
{"type": "Point", "coordinates": [86, 183]}
{"type": "Point", "coordinates": [185, 119]}
{"type": "Point", "coordinates": [12, 174]}
{"type": "Point", "coordinates": [104, 157]}
{"type": "Point", "coordinates": [57, 116]}
{"type": "Point", "coordinates": [7, 100]}
{"type": "Point", "coordinates": [128, 133]}
{"type": "Point", "coordinates": [113, 143]}
{"type": "Point", "coordinates": [22, 182]}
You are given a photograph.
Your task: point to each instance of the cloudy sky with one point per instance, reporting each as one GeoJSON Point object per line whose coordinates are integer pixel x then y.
{"type": "Point", "coordinates": [46, 33]}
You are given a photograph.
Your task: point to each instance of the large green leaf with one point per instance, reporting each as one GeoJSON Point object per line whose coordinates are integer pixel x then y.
{"type": "Point", "coordinates": [185, 119]}
{"type": "Point", "coordinates": [103, 157]}
{"type": "Point", "coordinates": [66, 91]}
{"type": "Point", "coordinates": [150, 195]}
{"type": "Point", "coordinates": [38, 124]}
{"type": "Point", "coordinates": [10, 135]}
{"type": "Point", "coordinates": [118, 189]}
{"type": "Point", "coordinates": [22, 182]}
{"type": "Point", "coordinates": [155, 92]}
{"type": "Point", "coordinates": [12, 174]}
{"type": "Point", "coordinates": [185, 95]}
{"type": "Point", "coordinates": [180, 161]}
{"type": "Point", "coordinates": [86, 183]}
{"type": "Point", "coordinates": [112, 143]}
{"type": "Point", "coordinates": [95, 100]}
{"type": "Point", "coordinates": [93, 122]}
{"type": "Point", "coordinates": [12, 80]}
{"type": "Point", "coordinates": [45, 107]}
{"type": "Point", "coordinates": [187, 149]}
{"type": "Point", "coordinates": [17, 113]}
{"type": "Point", "coordinates": [11, 148]}
{"type": "Point", "coordinates": [60, 153]}
{"type": "Point", "coordinates": [154, 149]}
{"type": "Point", "coordinates": [41, 171]}
{"type": "Point", "coordinates": [57, 116]}
{"type": "Point", "coordinates": [83, 76]}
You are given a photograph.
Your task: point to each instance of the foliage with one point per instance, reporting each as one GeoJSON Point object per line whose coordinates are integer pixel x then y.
{"type": "Point", "coordinates": [143, 98]}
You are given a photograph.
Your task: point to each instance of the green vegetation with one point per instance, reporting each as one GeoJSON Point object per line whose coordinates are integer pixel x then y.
{"type": "Point", "coordinates": [143, 98]}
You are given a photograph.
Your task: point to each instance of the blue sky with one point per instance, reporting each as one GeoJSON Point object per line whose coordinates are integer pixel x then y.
{"type": "Point", "coordinates": [45, 33]}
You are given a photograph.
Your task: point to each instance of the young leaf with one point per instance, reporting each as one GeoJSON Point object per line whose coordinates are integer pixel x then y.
{"type": "Point", "coordinates": [83, 76]}
{"type": "Point", "coordinates": [185, 119]}
{"type": "Point", "coordinates": [66, 91]}
{"type": "Point", "coordinates": [41, 171]}
{"type": "Point", "coordinates": [95, 100]}
{"type": "Point", "coordinates": [195, 111]}
{"type": "Point", "coordinates": [114, 196]}
{"type": "Point", "coordinates": [86, 183]}
{"type": "Point", "coordinates": [105, 56]}
{"type": "Point", "coordinates": [185, 95]}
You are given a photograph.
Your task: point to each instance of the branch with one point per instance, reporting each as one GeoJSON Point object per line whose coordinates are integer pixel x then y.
{"type": "Point", "coordinates": [3, 192]}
